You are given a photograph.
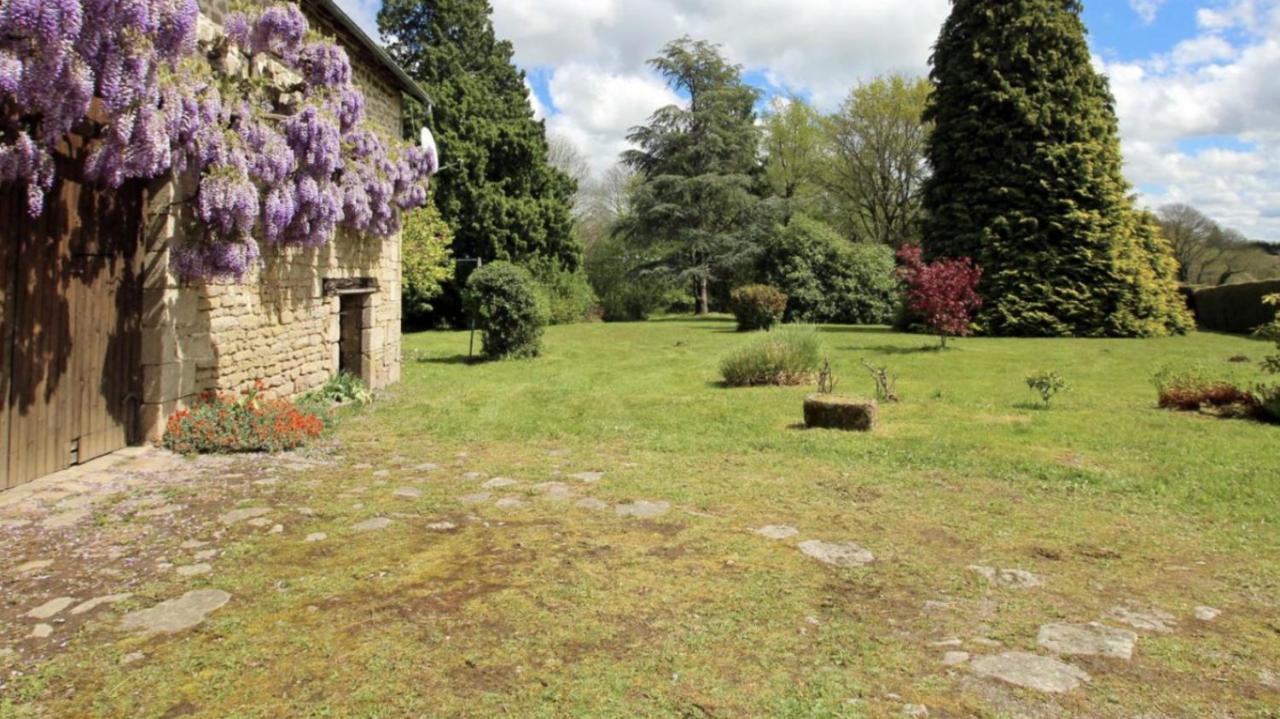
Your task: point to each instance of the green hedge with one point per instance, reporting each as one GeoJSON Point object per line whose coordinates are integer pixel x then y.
{"type": "Point", "coordinates": [1235, 308]}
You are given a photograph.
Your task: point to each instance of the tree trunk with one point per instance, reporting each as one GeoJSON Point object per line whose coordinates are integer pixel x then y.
{"type": "Point", "coordinates": [700, 300]}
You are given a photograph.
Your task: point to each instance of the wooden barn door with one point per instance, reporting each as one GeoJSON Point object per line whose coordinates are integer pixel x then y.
{"type": "Point", "coordinates": [71, 338]}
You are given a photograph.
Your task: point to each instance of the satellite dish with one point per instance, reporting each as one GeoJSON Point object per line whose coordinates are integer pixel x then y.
{"type": "Point", "coordinates": [428, 142]}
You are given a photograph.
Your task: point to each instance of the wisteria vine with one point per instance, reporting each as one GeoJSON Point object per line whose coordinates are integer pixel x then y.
{"type": "Point", "coordinates": [265, 117]}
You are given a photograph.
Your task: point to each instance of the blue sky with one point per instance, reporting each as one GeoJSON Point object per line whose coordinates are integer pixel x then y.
{"type": "Point", "coordinates": [1197, 82]}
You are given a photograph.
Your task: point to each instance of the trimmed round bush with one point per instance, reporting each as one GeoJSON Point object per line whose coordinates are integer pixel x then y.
{"type": "Point", "coordinates": [787, 356]}
{"type": "Point", "coordinates": [508, 308]}
{"type": "Point", "coordinates": [757, 307]}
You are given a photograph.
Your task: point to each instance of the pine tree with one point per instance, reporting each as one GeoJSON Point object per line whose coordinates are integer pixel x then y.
{"type": "Point", "coordinates": [694, 204]}
{"type": "Point", "coordinates": [1027, 179]}
{"type": "Point", "coordinates": [496, 188]}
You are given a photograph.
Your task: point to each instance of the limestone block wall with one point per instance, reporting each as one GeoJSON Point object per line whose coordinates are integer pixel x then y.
{"type": "Point", "coordinates": [383, 105]}
{"type": "Point", "coordinates": [278, 325]}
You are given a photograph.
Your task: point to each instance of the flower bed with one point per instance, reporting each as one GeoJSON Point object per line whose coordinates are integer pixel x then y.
{"type": "Point", "coordinates": [226, 423]}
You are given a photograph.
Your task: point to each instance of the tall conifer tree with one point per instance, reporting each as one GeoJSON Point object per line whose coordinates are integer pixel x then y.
{"type": "Point", "coordinates": [1027, 179]}
{"type": "Point", "coordinates": [694, 204]}
{"type": "Point", "coordinates": [496, 189]}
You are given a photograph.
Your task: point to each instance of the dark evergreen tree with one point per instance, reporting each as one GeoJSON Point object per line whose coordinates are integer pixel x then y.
{"type": "Point", "coordinates": [496, 188]}
{"type": "Point", "coordinates": [1027, 178]}
{"type": "Point", "coordinates": [694, 204]}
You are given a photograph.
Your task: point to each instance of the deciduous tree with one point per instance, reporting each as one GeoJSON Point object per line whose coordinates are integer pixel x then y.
{"type": "Point", "coordinates": [876, 166]}
{"type": "Point", "coordinates": [942, 293]}
{"type": "Point", "coordinates": [794, 146]}
{"type": "Point", "coordinates": [1209, 254]}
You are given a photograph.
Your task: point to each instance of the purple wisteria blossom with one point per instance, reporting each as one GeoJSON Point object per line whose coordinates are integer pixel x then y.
{"type": "Point", "coordinates": [288, 175]}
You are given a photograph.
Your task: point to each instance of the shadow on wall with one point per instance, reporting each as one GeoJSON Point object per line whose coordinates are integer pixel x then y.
{"type": "Point", "coordinates": [277, 326]}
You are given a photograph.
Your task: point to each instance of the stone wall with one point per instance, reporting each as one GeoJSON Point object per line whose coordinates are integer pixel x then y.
{"type": "Point", "coordinates": [278, 325]}
{"type": "Point", "coordinates": [382, 99]}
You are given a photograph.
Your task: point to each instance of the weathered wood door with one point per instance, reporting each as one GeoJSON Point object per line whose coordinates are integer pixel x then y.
{"type": "Point", "coordinates": [70, 324]}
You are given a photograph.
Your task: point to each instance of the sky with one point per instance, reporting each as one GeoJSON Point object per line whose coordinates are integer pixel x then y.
{"type": "Point", "coordinates": [1197, 82]}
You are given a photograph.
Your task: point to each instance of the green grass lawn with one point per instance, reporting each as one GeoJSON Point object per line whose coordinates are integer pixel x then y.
{"type": "Point", "coordinates": [549, 609]}
{"type": "Point", "coordinates": [652, 390]}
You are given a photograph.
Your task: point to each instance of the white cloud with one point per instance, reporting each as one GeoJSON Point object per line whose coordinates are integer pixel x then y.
{"type": "Point", "coordinates": [819, 45]}
{"type": "Point", "coordinates": [1200, 120]}
{"type": "Point", "coordinates": [1201, 125]}
{"type": "Point", "coordinates": [1227, 15]}
{"type": "Point", "coordinates": [540, 111]}
{"type": "Point", "coordinates": [1146, 9]}
{"type": "Point", "coordinates": [1202, 49]}
{"type": "Point", "coordinates": [596, 51]}
{"type": "Point", "coordinates": [597, 108]}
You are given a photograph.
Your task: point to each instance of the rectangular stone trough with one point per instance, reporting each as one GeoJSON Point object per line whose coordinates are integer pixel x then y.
{"type": "Point", "coordinates": [827, 411]}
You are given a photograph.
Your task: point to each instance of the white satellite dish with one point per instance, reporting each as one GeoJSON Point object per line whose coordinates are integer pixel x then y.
{"type": "Point", "coordinates": [429, 146]}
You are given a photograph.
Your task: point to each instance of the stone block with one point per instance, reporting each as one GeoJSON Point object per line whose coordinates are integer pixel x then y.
{"type": "Point", "coordinates": [166, 382]}
{"type": "Point", "coordinates": [834, 412]}
{"type": "Point", "coordinates": [160, 345]}
{"type": "Point", "coordinates": [154, 416]}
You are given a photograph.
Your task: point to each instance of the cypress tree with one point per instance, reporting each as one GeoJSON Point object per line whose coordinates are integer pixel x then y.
{"type": "Point", "coordinates": [1027, 179]}
{"type": "Point", "coordinates": [496, 188]}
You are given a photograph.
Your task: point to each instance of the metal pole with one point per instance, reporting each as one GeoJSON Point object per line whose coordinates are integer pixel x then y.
{"type": "Point", "coordinates": [471, 346]}
{"type": "Point", "coordinates": [471, 350]}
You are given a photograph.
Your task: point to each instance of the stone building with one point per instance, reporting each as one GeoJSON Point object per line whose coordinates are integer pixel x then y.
{"type": "Point", "coordinates": [102, 343]}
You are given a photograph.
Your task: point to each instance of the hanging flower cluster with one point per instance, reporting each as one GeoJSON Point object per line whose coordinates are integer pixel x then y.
{"type": "Point", "coordinates": [267, 118]}
{"type": "Point", "coordinates": [57, 56]}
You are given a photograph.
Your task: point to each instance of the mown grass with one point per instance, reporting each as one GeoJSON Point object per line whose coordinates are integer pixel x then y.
{"type": "Point", "coordinates": [551, 610]}
{"type": "Point", "coordinates": [652, 388]}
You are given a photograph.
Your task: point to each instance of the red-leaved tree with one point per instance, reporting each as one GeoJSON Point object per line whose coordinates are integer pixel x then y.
{"type": "Point", "coordinates": [944, 293]}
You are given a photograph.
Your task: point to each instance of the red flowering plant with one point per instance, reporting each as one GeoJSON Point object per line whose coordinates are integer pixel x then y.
{"type": "Point", "coordinates": [226, 423]}
{"type": "Point", "coordinates": [943, 293]}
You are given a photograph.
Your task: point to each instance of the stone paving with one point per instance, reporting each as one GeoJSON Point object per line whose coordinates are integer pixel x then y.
{"type": "Point", "coordinates": [63, 569]}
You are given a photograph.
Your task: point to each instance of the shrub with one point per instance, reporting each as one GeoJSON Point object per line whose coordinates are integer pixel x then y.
{"type": "Point", "coordinates": [1267, 399]}
{"type": "Point", "coordinates": [225, 423]}
{"type": "Point", "coordinates": [757, 307]}
{"type": "Point", "coordinates": [786, 356]}
{"type": "Point", "coordinates": [567, 293]}
{"type": "Point", "coordinates": [827, 380]}
{"type": "Point", "coordinates": [1047, 384]}
{"type": "Point", "coordinates": [1271, 331]}
{"type": "Point", "coordinates": [507, 306]}
{"type": "Point", "coordinates": [944, 293]}
{"type": "Point", "coordinates": [1235, 308]}
{"type": "Point", "coordinates": [342, 388]}
{"type": "Point", "coordinates": [1189, 389]}
{"type": "Point", "coordinates": [427, 262]}
{"type": "Point", "coordinates": [625, 295]}
{"type": "Point", "coordinates": [829, 279]}
{"type": "Point", "coordinates": [886, 383]}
